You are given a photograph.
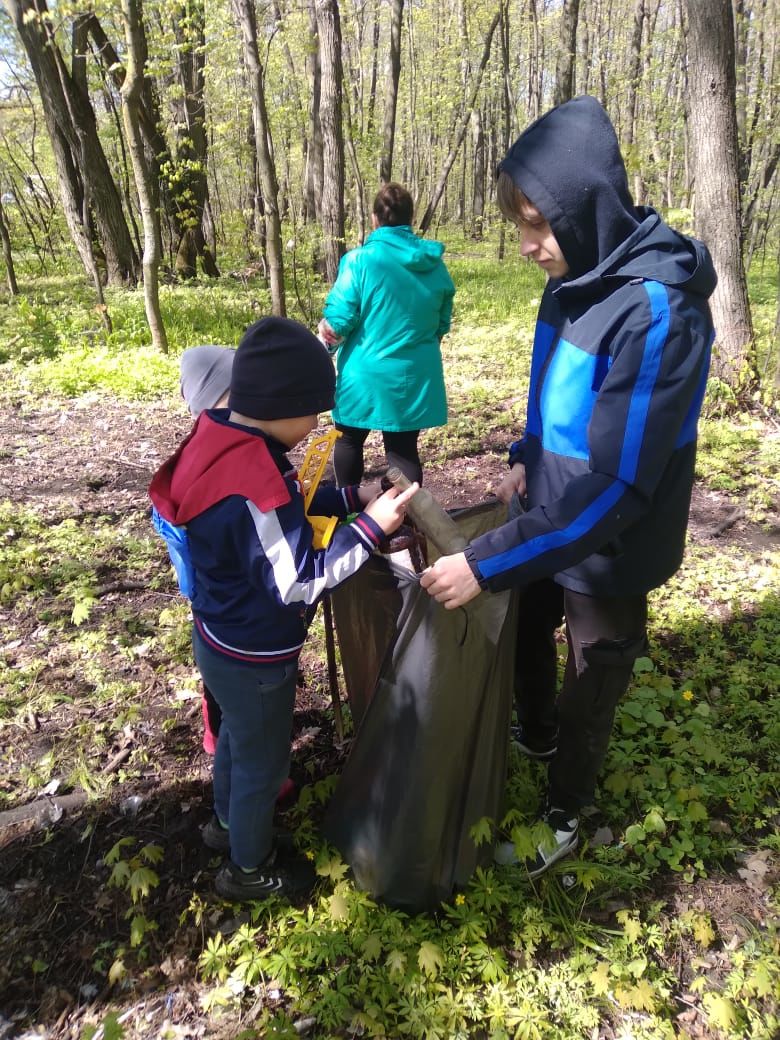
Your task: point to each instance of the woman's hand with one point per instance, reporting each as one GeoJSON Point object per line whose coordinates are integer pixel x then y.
{"type": "Point", "coordinates": [389, 510]}
{"type": "Point", "coordinates": [327, 335]}
{"type": "Point", "coordinates": [514, 481]}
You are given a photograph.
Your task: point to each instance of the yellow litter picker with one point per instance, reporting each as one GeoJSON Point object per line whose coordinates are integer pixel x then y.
{"type": "Point", "coordinates": [310, 474]}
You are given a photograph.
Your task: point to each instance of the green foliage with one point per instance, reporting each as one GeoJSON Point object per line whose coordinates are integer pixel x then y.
{"type": "Point", "coordinates": [132, 874]}
{"type": "Point", "coordinates": [689, 785]}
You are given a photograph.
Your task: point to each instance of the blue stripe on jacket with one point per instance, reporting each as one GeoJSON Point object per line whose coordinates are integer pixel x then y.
{"type": "Point", "coordinates": [639, 406]}
{"type": "Point", "coordinates": [571, 385]}
{"type": "Point", "coordinates": [535, 547]}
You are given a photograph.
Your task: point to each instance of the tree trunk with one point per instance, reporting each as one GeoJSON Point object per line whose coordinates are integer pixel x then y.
{"type": "Point", "coordinates": [714, 152]}
{"type": "Point", "coordinates": [245, 17]}
{"type": "Point", "coordinates": [313, 187]}
{"type": "Point", "coordinates": [567, 53]}
{"type": "Point", "coordinates": [391, 90]}
{"type": "Point", "coordinates": [150, 119]}
{"type": "Point", "coordinates": [329, 31]}
{"type": "Point", "coordinates": [460, 131]}
{"type": "Point", "coordinates": [85, 178]}
{"type": "Point", "coordinates": [506, 106]}
{"type": "Point", "coordinates": [534, 64]}
{"type": "Point", "coordinates": [478, 197]}
{"type": "Point", "coordinates": [135, 39]}
{"type": "Point", "coordinates": [634, 77]}
{"type": "Point", "coordinates": [10, 274]}
{"type": "Point", "coordinates": [189, 108]}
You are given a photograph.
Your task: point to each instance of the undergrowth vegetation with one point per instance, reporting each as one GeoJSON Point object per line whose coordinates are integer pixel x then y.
{"type": "Point", "coordinates": [664, 926]}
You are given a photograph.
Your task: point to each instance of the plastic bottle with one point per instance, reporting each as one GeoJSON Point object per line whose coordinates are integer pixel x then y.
{"type": "Point", "coordinates": [437, 525]}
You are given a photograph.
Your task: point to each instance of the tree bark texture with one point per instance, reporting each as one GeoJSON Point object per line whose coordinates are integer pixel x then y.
{"type": "Point", "coordinates": [567, 53]}
{"type": "Point", "coordinates": [135, 39]}
{"type": "Point", "coordinates": [8, 256]}
{"type": "Point", "coordinates": [712, 125]}
{"type": "Point", "coordinates": [391, 90]}
{"type": "Point", "coordinates": [247, 23]}
{"type": "Point", "coordinates": [313, 176]}
{"type": "Point", "coordinates": [86, 181]}
{"type": "Point", "coordinates": [191, 140]}
{"type": "Point", "coordinates": [329, 32]}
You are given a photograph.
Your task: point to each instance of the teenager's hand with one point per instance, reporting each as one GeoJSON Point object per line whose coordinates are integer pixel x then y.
{"type": "Point", "coordinates": [389, 509]}
{"type": "Point", "coordinates": [451, 581]}
{"type": "Point", "coordinates": [368, 492]}
{"type": "Point", "coordinates": [514, 481]}
{"type": "Point", "coordinates": [327, 335]}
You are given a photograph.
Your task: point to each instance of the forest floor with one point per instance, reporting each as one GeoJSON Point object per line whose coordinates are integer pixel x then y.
{"type": "Point", "coordinates": [148, 777]}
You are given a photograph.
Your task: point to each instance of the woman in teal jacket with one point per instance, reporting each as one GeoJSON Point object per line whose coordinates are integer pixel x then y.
{"type": "Point", "coordinates": [386, 314]}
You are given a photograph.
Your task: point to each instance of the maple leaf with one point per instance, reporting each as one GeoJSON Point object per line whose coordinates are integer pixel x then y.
{"type": "Point", "coordinates": [721, 1011]}
{"type": "Point", "coordinates": [702, 930]}
{"type": "Point", "coordinates": [430, 958]}
{"type": "Point", "coordinates": [339, 911]}
{"type": "Point", "coordinates": [142, 880]}
{"type": "Point", "coordinates": [643, 996]}
{"type": "Point", "coordinates": [760, 981]}
{"type": "Point", "coordinates": [599, 978]}
{"type": "Point", "coordinates": [631, 926]}
{"type": "Point", "coordinates": [372, 947]}
{"type": "Point", "coordinates": [482, 831]}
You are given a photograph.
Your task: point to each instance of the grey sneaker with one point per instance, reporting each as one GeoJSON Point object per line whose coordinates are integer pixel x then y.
{"type": "Point", "coordinates": [269, 879]}
{"type": "Point", "coordinates": [565, 836]}
{"type": "Point", "coordinates": [542, 750]}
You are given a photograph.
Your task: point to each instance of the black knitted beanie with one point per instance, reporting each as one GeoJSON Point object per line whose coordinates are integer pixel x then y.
{"type": "Point", "coordinates": [281, 371]}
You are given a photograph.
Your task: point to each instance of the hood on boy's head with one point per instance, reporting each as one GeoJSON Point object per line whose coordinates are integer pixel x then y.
{"type": "Point", "coordinates": [205, 376]}
{"type": "Point", "coordinates": [281, 371]}
{"type": "Point", "coordinates": [568, 164]}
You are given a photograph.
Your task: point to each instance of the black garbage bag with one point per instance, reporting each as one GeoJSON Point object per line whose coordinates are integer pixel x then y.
{"type": "Point", "coordinates": [431, 696]}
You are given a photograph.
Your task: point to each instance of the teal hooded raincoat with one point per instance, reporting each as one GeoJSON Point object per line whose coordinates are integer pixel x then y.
{"type": "Point", "coordinates": [392, 303]}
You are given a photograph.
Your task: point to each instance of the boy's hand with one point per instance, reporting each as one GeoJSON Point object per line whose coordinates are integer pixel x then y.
{"type": "Point", "coordinates": [513, 481]}
{"type": "Point", "coordinates": [368, 492]}
{"type": "Point", "coordinates": [389, 509]}
{"type": "Point", "coordinates": [451, 581]}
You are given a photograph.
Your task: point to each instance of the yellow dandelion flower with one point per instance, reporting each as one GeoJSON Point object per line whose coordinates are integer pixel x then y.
{"type": "Point", "coordinates": [460, 900]}
{"type": "Point", "coordinates": [687, 695]}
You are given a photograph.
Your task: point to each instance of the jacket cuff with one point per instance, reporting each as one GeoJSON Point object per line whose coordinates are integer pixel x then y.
{"type": "Point", "coordinates": [371, 534]}
{"type": "Point", "coordinates": [516, 452]}
{"type": "Point", "coordinates": [471, 560]}
{"type": "Point", "coordinates": [351, 498]}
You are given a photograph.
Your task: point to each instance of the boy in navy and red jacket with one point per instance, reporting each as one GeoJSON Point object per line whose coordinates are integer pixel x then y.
{"type": "Point", "coordinates": [605, 469]}
{"type": "Point", "coordinates": [255, 576]}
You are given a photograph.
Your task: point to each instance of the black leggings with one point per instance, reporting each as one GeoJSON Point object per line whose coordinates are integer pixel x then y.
{"type": "Point", "coordinates": [400, 449]}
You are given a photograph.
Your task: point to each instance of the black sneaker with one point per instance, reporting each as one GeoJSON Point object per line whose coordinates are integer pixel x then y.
{"type": "Point", "coordinates": [269, 879]}
{"type": "Point", "coordinates": [565, 835]}
{"type": "Point", "coordinates": [542, 750]}
{"type": "Point", "coordinates": [215, 836]}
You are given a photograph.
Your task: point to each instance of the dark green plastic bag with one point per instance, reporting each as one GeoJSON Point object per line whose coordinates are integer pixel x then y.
{"type": "Point", "coordinates": [431, 696]}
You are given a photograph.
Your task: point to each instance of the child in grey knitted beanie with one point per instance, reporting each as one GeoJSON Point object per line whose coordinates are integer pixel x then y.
{"type": "Point", "coordinates": [205, 377]}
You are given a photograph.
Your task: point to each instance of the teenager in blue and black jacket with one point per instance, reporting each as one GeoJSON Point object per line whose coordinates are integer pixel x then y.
{"type": "Point", "coordinates": [605, 469]}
